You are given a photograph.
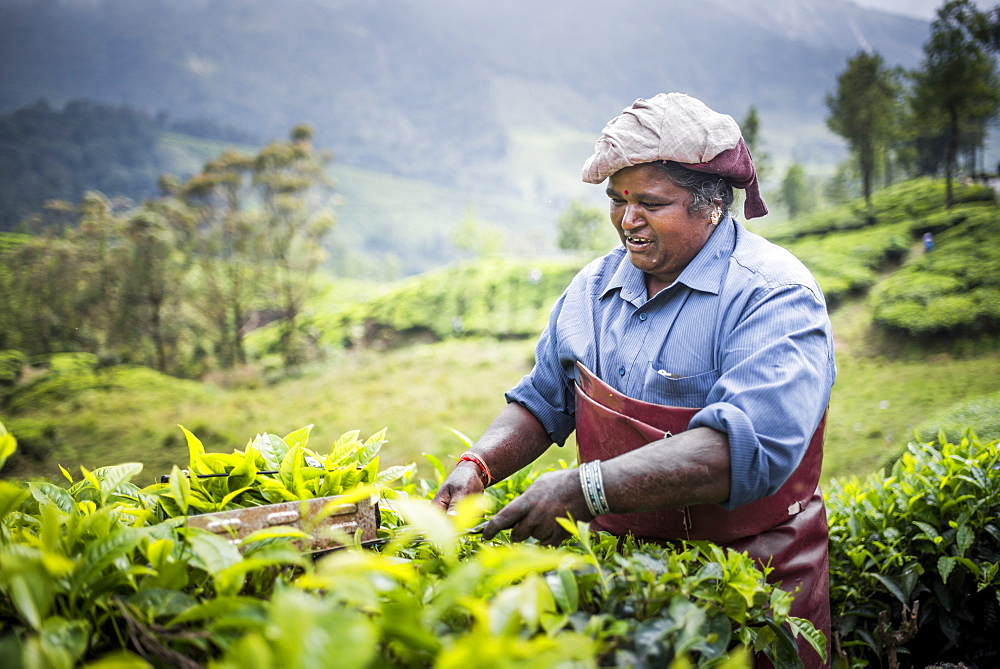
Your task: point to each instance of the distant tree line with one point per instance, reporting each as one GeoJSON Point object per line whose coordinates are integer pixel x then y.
{"type": "Point", "coordinates": [177, 282]}
{"type": "Point", "coordinates": [928, 121]}
{"type": "Point", "coordinates": [48, 153]}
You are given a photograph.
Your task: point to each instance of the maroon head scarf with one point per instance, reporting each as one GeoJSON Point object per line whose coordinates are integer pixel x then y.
{"type": "Point", "coordinates": [680, 128]}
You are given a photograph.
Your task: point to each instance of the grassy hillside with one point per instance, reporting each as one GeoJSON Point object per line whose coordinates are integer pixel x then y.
{"type": "Point", "coordinates": [419, 392]}
{"type": "Point", "coordinates": [889, 384]}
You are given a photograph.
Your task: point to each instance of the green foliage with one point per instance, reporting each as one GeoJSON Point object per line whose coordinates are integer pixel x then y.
{"type": "Point", "coordinates": [11, 367]}
{"type": "Point", "coordinates": [904, 201]}
{"type": "Point", "coordinates": [178, 281]}
{"type": "Point", "coordinates": [11, 240]}
{"type": "Point", "coordinates": [865, 111]}
{"type": "Point", "coordinates": [88, 572]}
{"type": "Point", "coordinates": [795, 192]}
{"type": "Point", "coordinates": [850, 261]}
{"type": "Point", "coordinates": [67, 375]}
{"type": "Point", "coordinates": [981, 415]}
{"type": "Point", "coordinates": [956, 91]}
{"type": "Point", "coordinates": [955, 288]}
{"type": "Point", "coordinates": [583, 228]}
{"type": "Point", "coordinates": [919, 546]}
{"type": "Point", "coordinates": [271, 470]}
{"type": "Point", "coordinates": [492, 297]}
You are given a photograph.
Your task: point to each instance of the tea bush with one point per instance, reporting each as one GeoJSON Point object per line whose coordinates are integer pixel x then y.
{"type": "Point", "coordinates": [67, 375]}
{"type": "Point", "coordinates": [955, 289]}
{"type": "Point", "coordinates": [97, 571]}
{"type": "Point", "coordinates": [900, 202]}
{"type": "Point", "coordinates": [11, 367]}
{"type": "Point", "coordinates": [849, 262]}
{"type": "Point", "coordinates": [981, 415]}
{"type": "Point", "coordinates": [914, 557]}
{"type": "Point", "coordinates": [491, 297]}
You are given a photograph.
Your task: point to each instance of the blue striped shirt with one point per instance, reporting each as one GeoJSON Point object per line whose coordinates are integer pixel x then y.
{"type": "Point", "coordinates": [743, 333]}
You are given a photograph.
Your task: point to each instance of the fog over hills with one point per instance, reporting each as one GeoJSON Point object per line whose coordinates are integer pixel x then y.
{"type": "Point", "coordinates": [434, 87]}
{"type": "Point", "coordinates": [505, 98]}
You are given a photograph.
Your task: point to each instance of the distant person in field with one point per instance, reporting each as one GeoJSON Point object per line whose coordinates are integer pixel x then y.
{"type": "Point", "coordinates": [928, 242]}
{"type": "Point", "coordinates": [694, 362]}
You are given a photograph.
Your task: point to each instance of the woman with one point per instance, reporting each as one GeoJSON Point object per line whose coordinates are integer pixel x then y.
{"type": "Point", "coordinates": [694, 362]}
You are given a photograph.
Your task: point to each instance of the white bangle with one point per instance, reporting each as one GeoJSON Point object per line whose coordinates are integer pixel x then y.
{"type": "Point", "coordinates": [593, 488]}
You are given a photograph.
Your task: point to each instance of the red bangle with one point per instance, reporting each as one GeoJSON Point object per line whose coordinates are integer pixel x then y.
{"type": "Point", "coordinates": [484, 470]}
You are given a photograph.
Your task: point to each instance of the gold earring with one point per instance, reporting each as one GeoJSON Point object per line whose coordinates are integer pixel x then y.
{"type": "Point", "coordinates": [714, 218]}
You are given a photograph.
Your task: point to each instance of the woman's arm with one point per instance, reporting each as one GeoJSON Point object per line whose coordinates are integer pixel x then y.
{"type": "Point", "coordinates": [513, 440]}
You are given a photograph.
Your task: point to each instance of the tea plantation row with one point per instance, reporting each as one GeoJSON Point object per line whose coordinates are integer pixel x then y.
{"type": "Point", "coordinates": [101, 572]}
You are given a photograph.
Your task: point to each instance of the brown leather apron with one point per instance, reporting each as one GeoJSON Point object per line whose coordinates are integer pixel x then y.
{"type": "Point", "coordinates": [787, 530]}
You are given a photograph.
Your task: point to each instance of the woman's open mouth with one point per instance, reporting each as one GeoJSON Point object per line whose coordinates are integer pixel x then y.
{"type": "Point", "coordinates": [637, 243]}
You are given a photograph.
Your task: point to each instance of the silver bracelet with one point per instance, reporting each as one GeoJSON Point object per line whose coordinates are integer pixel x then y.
{"type": "Point", "coordinates": [593, 488]}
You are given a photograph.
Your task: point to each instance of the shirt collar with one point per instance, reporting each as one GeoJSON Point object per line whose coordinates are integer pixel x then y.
{"type": "Point", "coordinates": [704, 273]}
{"type": "Point", "coordinates": [707, 270]}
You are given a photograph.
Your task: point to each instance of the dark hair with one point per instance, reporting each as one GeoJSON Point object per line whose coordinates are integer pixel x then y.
{"type": "Point", "coordinates": [706, 189]}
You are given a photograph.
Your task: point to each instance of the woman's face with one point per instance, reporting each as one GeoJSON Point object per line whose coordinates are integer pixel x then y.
{"type": "Point", "coordinates": [650, 213]}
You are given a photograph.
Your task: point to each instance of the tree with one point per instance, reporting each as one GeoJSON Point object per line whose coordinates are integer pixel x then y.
{"type": "Point", "coordinates": [583, 228]}
{"type": "Point", "coordinates": [957, 90]}
{"type": "Point", "coordinates": [259, 238]}
{"type": "Point", "coordinates": [795, 191]}
{"type": "Point", "coordinates": [153, 289]}
{"type": "Point", "coordinates": [286, 175]}
{"type": "Point", "coordinates": [750, 128]}
{"type": "Point", "coordinates": [475, 239]}
{"type": "Point", "coordinates": [226, 249]}
{"type": "Point", "coordinates": [864, 111]}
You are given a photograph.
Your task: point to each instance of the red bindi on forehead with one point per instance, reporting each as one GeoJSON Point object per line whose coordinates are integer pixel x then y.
{"type": "Point", "coordinates": [626, 192]}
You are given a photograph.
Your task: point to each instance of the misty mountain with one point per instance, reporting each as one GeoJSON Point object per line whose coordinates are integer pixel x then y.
{"type": "Point", "coordinates": [501, 99]}
{"type": "Point", "coordinates": [435, 89]}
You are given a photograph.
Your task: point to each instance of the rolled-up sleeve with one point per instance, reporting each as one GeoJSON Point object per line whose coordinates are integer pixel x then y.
{"type": "Point", "coordinates": [776, 370]}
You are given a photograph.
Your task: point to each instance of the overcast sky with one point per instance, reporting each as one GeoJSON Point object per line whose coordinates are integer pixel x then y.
{"type": "Point", "coordinates": [922, 9]}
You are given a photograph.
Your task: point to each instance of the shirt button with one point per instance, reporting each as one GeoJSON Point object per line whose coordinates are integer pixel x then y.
{"type": "Point", "coordinates": [621, 371]}
{"type": "Point", "coordinates": [643, 316]}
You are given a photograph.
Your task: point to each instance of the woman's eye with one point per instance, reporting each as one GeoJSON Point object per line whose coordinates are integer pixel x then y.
{"type": "Point", "coordinates": [650, 205]}
{"type": "Point", "coordinates": [618, 201]}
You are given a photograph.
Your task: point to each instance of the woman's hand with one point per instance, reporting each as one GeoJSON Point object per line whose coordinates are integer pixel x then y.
{"type": "Point", "coordinates": [463, 481]}
{"type": "Point", "coordinates": [556, 494]}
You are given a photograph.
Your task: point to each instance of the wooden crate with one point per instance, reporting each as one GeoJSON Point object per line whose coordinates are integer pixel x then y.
{"type": "Point", "coordinates": [324, 519]}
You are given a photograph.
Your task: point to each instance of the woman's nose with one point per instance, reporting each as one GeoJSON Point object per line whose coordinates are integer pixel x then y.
{"type": "Point", "coordinates": [630, 217]}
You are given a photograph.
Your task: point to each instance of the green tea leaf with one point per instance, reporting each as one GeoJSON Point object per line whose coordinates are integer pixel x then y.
{"type": "Point", "coordinates": [290, 464]}
{"type": "Point", "coordinates": [91, 479]}
{"type": "Point", "coordinates": [299, 437]}
{"type": "Point", "coordinates": [395, 473]}
{"type": "Point", "coordinates": [180, 489]}
{"type": "Point", "coordinates": [8, 445]}
{"type": "Point", "coordinates": [464, 438]}
{"type": "Point", "coordinates": [276, 532]}
{"type": "Point", "coordinates": [113, 477]}
{"type": "Point", "coordinates": [805, 628]}
{"type": "Point", "coordinates": [11, 497]}
{"type": "Point", "coordinates": [272, 448]}
{"type": "Point", "coordinates": [893, 587]}
{"type": "Point", "coordinates": [344, 448]}
{"type": "Point", "coordinates": [210, 552]}
{"type": "Point", "coordinates": [195, 448]}
{"type": "Point", "coordinates": [221, 506]}
{"type": "Point", "coordinates": [964, 538]}
{"type": "Point", "coordinates": [220, 607]}
{"type": "Point", "coordinates": [44, 492]}
{"type": "Point", "coordinates": [245, 472]}
{"type": "Point", "coordinates": [945, 565]}
{"type": "Point", "coordinates": [68, 636]}
{"type": "Point", "coordinates": [100, 554]}
{"type": "Point", "coordinates": [118, 659]}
